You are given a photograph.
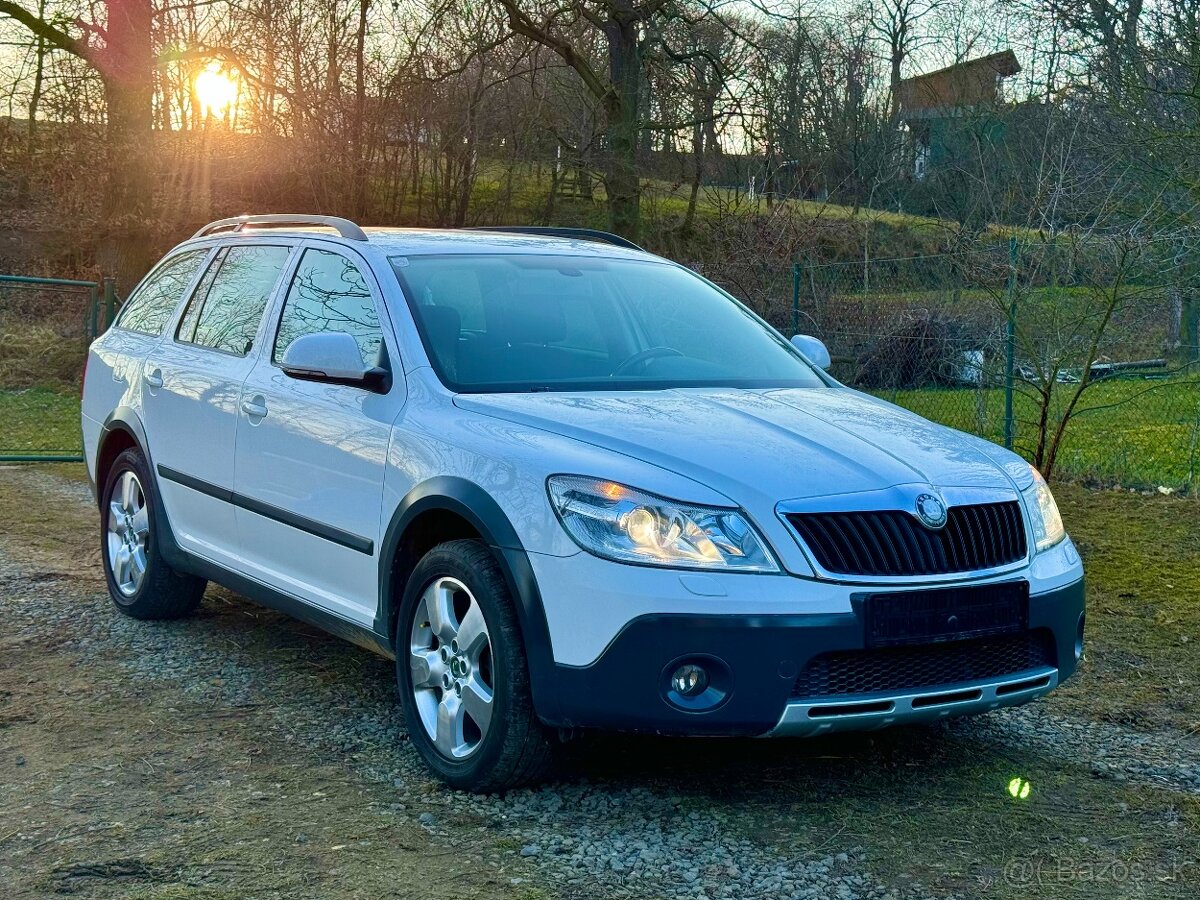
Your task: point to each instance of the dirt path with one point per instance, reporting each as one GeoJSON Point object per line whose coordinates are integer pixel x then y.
{"type": "Point", "coordinates": [241, 754]}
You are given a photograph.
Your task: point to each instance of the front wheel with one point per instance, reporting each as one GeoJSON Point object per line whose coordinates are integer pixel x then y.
{"type": "Point", "coordinates": [463, 678]}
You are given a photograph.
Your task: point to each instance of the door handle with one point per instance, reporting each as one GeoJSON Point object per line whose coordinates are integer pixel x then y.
{"type": "Point", "coordinates": [254, 409]}
{"type": "Point", "coordinates": [154, 380]}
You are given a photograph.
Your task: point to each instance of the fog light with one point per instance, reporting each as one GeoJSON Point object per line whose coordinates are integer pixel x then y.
{"type": "Point", "coordinates": [689, 680]}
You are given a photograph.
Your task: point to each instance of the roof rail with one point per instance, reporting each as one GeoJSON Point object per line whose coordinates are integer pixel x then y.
{"type": "Point", "coordinates": [344, 227]}
{"type": "Point", "coordinates": [586, 234]}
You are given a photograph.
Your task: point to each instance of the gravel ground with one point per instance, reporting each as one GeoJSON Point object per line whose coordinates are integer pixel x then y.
{"type": "Point", "coordinates": [596, 840]}
{"type": "Point", "coordinates": [1156, 759]}
{"type": "Point", "coordinates": [585, 839]}
{"type": "Point", "coordinates": [597, 832]}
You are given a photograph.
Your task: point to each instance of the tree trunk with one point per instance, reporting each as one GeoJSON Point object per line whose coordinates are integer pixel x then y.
{"type": "Point", "coordinates": [35, 98]}
{"type": "Point", "coordinates": [624, 126]}
{"type": "Point", "coordinates": [896, 61]}
{"type": "Point", "coordinates": [689, 219]}
{"type": "Point", "coordinates": [360, 111]}
{"type": "Point", "coordinates": [127, 69]}
{"type": "Point", "coordinates": [267, 93]}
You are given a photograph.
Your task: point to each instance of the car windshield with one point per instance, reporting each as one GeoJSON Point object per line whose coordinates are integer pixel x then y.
{"type": "Point", "coordinates": [508, 323]}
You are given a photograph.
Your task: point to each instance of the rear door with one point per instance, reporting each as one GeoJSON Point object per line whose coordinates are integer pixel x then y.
{"type": "Point", "coordinates": [113, 376]}
{"type": "Point", "coordinates": [311, 455]}
{"type": "Point", "coordinates": [193, 383]}
{"type": "Point", "coordinates": [115, 373]}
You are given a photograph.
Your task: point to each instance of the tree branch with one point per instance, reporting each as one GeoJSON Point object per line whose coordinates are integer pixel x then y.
{"type": "Point", "coordinates": [55, 37]}
{"type": "Point", "coordinates": [521, 24]}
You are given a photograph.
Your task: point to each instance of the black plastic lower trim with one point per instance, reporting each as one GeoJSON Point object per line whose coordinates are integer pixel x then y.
{"type": "Point", "coordinates": [473, 504]}
{"type": "Point", "coordinates": [266, 510]}
{"type": "Point", "coordinates": [761, 656]}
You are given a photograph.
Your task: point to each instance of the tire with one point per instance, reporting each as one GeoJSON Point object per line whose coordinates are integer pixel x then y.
{"type": "Point", "coordinates": [457, 591]}
{"type": "Point", "coordinates": [140, 582]}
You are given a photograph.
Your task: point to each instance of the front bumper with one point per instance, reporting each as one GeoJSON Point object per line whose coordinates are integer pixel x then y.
{"type": "Point", "coordinates": [757, 659]}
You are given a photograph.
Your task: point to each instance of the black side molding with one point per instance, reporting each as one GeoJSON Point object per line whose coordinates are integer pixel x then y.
{"type": "Point", "coordinates": [266, 510]}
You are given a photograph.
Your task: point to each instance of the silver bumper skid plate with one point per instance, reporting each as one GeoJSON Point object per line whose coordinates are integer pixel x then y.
{"type": "Point", "coordinates": [807, 718]}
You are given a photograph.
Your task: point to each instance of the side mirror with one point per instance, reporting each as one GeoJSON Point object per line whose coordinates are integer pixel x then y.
{"type": "Point", "coordinates": [814, 350]}
{"type": "Point", "coordinates": [332, 356]}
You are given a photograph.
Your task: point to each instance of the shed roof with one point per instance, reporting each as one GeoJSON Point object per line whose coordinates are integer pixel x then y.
{"type": "Point", "coordinates": [967, 84]}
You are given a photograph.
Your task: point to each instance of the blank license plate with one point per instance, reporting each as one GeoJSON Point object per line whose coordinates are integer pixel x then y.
{"type": "Point", "coordinates": [946, 614]}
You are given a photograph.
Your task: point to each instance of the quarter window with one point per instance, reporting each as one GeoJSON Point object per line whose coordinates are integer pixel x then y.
{"type": "Point", "coordinates": [150, 308]}
{"type": "Point", "coordinates": [329, 293]}
{"type": "Point", "coordinates": [228, 304]}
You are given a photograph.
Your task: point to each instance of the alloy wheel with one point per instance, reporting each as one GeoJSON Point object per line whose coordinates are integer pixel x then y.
{"type": "Point", "coordinates": [128, 533]}
{"type": "Point", "coordinates": [450, 658]}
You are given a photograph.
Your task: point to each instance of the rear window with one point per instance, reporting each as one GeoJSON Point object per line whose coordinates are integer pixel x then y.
{"type": "Point", "coordinates": [227, 306]}
{"type": "Point", "coordinates": [151, 306]}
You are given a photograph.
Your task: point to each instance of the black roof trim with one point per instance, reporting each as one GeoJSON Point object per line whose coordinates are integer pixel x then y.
{"type": "Point", "coordinates": [586, 234]}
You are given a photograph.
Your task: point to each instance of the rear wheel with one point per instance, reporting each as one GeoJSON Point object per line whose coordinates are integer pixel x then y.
{"type": "Point", "coordinates": [464, 681]}
{"type": "Point", "coordinates": [140, 582]}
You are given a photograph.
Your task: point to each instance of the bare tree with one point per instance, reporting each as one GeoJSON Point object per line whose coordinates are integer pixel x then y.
{"type": "Point", "coordinates": [898, 24]}
{"type": "Point", "coordinates": [121, 52]}
{"type": "Point", "coordinates": [618, 87]}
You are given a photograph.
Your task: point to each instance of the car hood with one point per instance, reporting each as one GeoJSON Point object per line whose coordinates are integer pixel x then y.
{"type": "Point", "coordinates": [775, 445]}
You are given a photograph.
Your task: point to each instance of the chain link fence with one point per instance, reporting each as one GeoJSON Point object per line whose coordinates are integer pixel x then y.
{"type": "Point", "coordinates": [46, 325]}
{"type": "Point", "coordinates": [1083, 358]}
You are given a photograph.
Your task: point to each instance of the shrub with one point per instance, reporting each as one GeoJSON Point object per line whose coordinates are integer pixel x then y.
{"type": "Point", "coordinates": [920, 349]}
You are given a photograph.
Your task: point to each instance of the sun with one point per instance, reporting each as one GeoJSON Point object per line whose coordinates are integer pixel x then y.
{"type": "Point", "coordinates": [215, 90]}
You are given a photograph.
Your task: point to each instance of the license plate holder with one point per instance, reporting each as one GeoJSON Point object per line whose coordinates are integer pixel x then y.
{"type": "Point", "coordinates": [901, 618]}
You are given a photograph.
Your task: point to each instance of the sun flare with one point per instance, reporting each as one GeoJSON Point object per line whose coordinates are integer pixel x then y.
{"type": "Point", "coordinates": [215, 90]}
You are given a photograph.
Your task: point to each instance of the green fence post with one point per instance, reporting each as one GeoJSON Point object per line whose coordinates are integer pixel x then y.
{"type": "Point", "coordinates": [795, 298]}
{"type": "Point", "coordinates": [110, 300]}
{"type": "Point", "coordinates": [90, 323]}
{"type": "Point", "coordinates": [1010, 339]}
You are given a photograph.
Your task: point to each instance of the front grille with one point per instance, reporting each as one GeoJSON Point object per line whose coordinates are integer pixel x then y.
{"type": "Point", "coordinates": [894, 542]}
{"type": "Point", "coordinates": [851, 672]}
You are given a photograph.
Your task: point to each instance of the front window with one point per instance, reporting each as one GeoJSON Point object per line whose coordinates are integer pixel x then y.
{"type": "Point", "coordinates": [528, 323]}
{"type": "Point", "coordinates": [329, 293]}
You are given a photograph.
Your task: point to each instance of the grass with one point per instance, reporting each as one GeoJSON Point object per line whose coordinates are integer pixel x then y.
{"type": "Point", "coordinates": [663, 198]}
{"type": "Point", "coordinates": [40, 421]}
{"type": "Point", "coordinates": [1122, 434]}
{"type": "Point", "coordinates": [1142, 558]}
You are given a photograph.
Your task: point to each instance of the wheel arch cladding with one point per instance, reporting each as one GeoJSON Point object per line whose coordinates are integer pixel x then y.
{"type": "Point", "coordinates": [123, 430]}
{"type": "Point", "coordinates": [432, 503]}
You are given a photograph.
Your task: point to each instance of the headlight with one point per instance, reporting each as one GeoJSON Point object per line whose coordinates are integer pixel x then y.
{"type": "Point", "coordinates": [628, 525]}
{"type": "Point", "coordinates": [1043, 513]}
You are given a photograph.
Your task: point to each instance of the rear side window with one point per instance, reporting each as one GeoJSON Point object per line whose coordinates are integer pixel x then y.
{"type": "Point", "coordinates": [227, 306]}
{"type": "Point", "coordinates": [151, 307]}
{"type": "Point", "coordinates": [329, 293]}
